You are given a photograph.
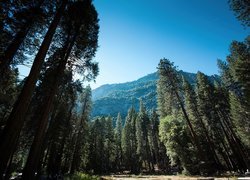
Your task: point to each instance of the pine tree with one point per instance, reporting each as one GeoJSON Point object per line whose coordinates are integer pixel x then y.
{"type": "Point", "coordinates": [82, 129]}
{"type": "Point", "coordinates": [235, 78]}
{"type": "Point", "coordinates": [207, 145]}
{"type": "Point", "coordinates": [238, 62]}
{"type": "Point", "coordinates": [169, 81]}
{"type": "Point", "coordinates": [216, 121]}
{"type": "Point", "coordinates": [241, 10]}
{"type": "Point", "coordinates": [96, 148]}
{"type": "Point", "coordinates": [29, 14]}
{"type": "Point", "coordinates": [75, 11]}
{"type": "Point", "coordinates": [109, 146]}
{"type": "Point", "coordinates": [158, 151]}
{"type": "Point", "coordinates": [16, 119]}
{"type": "Point", "coordinates": [129, 144]}
{"type": "Point", "coordinates": [118, 142]}
{"type": "Point", "coordinates": [174, 135]}
{"type": "Point", "coordinates": [143, 149]}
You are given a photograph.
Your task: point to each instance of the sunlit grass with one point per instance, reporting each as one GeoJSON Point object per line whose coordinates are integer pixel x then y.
{"type": "Point", "coordinates": [81, 176]}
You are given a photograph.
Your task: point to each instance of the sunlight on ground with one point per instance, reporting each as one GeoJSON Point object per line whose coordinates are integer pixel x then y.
{"type": "Point", "coordinates": [161, 177]}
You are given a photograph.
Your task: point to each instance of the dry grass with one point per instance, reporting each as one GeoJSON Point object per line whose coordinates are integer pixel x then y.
{"type": "Point", "coordinates": [162, 177]}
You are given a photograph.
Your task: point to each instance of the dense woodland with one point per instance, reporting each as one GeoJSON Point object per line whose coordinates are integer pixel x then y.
{"type": "Point", "coordinates": [45, 123]}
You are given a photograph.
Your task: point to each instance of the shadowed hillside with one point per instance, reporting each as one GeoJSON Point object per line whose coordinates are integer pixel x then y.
{"type": "Point", "coordinates": [110, 99]}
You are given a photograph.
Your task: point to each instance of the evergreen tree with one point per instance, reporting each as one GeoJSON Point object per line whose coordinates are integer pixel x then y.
{"type": "Point", "coordinates": [109, 146]}
{"type": "Point", "coordinates": [118, 142]}
{"type": "Point", "coordinates": [235, 78]}
{"type": "Point", "coordinates": [25, 17]}
{"type": "Point", "coordinates": [89, 46]}
{"type": "Point", "coordinates": [96, 148]}
{"type": "Point", "coordinates": [158, 151]}
{"type": "Point", "coordinates": [207, 145]}
{"type": "Point", "coordinates": [16, 119]}
{"type": "Point", "coordinates": [169, 80]}
{"type": "Point", "coordinates": [81, 133]}
{"type": "Point", "coordinates": [8, 95]}
{"type": "Point", "coordinates": [217, 123]}
{"type": "Point", "coordinates": [143, 149]}
{"type": "Point", "coordinates": [129, 144]}
{"type": "Point", "coordinates": [238, 62]}
{"type": "Point", "coordinates": [241, 9]}
{"type": "Point", "coordinates": [173, 133]}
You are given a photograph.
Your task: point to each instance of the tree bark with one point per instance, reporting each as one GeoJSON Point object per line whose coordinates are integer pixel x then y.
{"type": "Point", "coordinates": [209, 141]}
{"type": "Point", "coordinates": [35, 151]}
{"type": "Point", "coordinates": [76, 144]}
{"type": "Point", "coordinates": [16, 118]}
{"type": "Point", "coordinates": [74, 163]}
{"type": "Point", "coordinates": [193, 134]}
{"type": "Point", "coordinates": [11, 50]}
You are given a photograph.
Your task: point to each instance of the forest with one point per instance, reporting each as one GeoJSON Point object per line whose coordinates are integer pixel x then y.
{"type": "Point", "coordinates": [46, 128]}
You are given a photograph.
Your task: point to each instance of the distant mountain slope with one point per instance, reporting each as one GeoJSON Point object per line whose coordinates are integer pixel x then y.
{"type": "Point", "coordinates": [109, 89]}
{"type": "Point", "coordinates": [110, 99]}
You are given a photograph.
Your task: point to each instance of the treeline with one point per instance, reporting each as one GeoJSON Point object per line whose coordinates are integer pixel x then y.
{"type": "Point", "coordinates": [40, 128]}
{"type": "Point", "coordinates": [44, 119]}
{"type": "Point", "coordinates": [201, 128]}
{"type": "Point", "coordinates": [205, 128]}
{"type": "Point", "coordinates": [133, 147]}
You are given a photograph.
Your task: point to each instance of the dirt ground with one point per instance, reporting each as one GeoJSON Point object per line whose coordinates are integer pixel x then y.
{"type": "Point", "coordinates": [162, 177]}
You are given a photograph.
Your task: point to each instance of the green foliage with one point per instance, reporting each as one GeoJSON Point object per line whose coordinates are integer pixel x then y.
{"type": "Point", "coordinates": [168, 87]}
{"type": "Point", "coordinates": [173, 133]}
{"type": "Point", "coordinates": [8, 93]}
{"type": "Point", "coordinates": [111, 99]}
{"type": "Point", "coordinates": [204, 122]}
{"type": "Point", "coordinates": [102, 146]}
{"type": "Point", "coordinates": [118, 142]}
{"type": "Point", "coordinates": [241, 9]}
{"type": "Point", "coordinates": [129, 141]}
{"type": "Point", "coordinates": [81, 176]}
{"type": "Point", "coordinates": [235, 74]}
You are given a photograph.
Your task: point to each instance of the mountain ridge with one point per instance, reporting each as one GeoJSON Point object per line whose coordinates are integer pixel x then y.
{"type": "Point", "coordinates": [108, 87]}
{"type": "Point", "coordinates": [110, 99]}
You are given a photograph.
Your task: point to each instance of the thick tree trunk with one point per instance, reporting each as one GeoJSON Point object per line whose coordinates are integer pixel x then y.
{"type": "Point", "coordinates": [209, 141]}
{"type": "Point", "coordinates": [227, 157]}
{"type": "Point", "coordinates": [16, 118]}
{"type": "Point", "coordinates": [35, 151]}
{"type": "Point", "coordinates": [56, 150]}
{"type": "Point", "coordinates": [63, 143]}
{"type": "Point", "coordinates": [235, 139]}
{"type": "Point", "coordinates": [11, 50]}
{"type": "Point", "coordinates": [234, 146]}
{"type": "Point", "coordinates": [74, 164]}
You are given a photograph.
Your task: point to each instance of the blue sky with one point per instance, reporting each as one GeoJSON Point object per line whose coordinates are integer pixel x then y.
{"type": "Point", "coordinates": [136, 34]}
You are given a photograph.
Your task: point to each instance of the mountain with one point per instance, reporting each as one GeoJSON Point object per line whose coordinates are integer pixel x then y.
{"type": "Point", "coordinates": [110, 99]}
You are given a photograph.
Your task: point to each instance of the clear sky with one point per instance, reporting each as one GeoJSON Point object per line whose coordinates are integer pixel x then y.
{"type": "Point", "coordinates": [136, 34]}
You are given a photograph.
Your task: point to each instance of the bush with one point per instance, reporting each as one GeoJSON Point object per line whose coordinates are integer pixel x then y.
{"type": "Point", "coordinates": [81, 176]}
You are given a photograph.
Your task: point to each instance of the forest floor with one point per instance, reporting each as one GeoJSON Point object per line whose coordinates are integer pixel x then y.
{"type": "Point", "coordinates": [162, 177]}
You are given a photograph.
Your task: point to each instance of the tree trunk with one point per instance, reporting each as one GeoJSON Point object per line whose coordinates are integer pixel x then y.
{"type": "Point", "coordinates": [35, 151]}
{"type": "Point", "coordinates": [65, 135]}
{"type": "Point", "coordinates": [11, 50]}
{"type": "Point", "coordinates": [193, 134]}
{"type": "Point", "coordinates": [209, 141]}
{"type": "Point", "coordinates": [56, 151]}
{"type": "Point", "coordinates": [75, 153]}
{"type": "Point", "coordinates": [235, 139]}
{"type": "Point", "coordinates": [74, 164]}
{"type": "Point", "coordinates": [16, 118]}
